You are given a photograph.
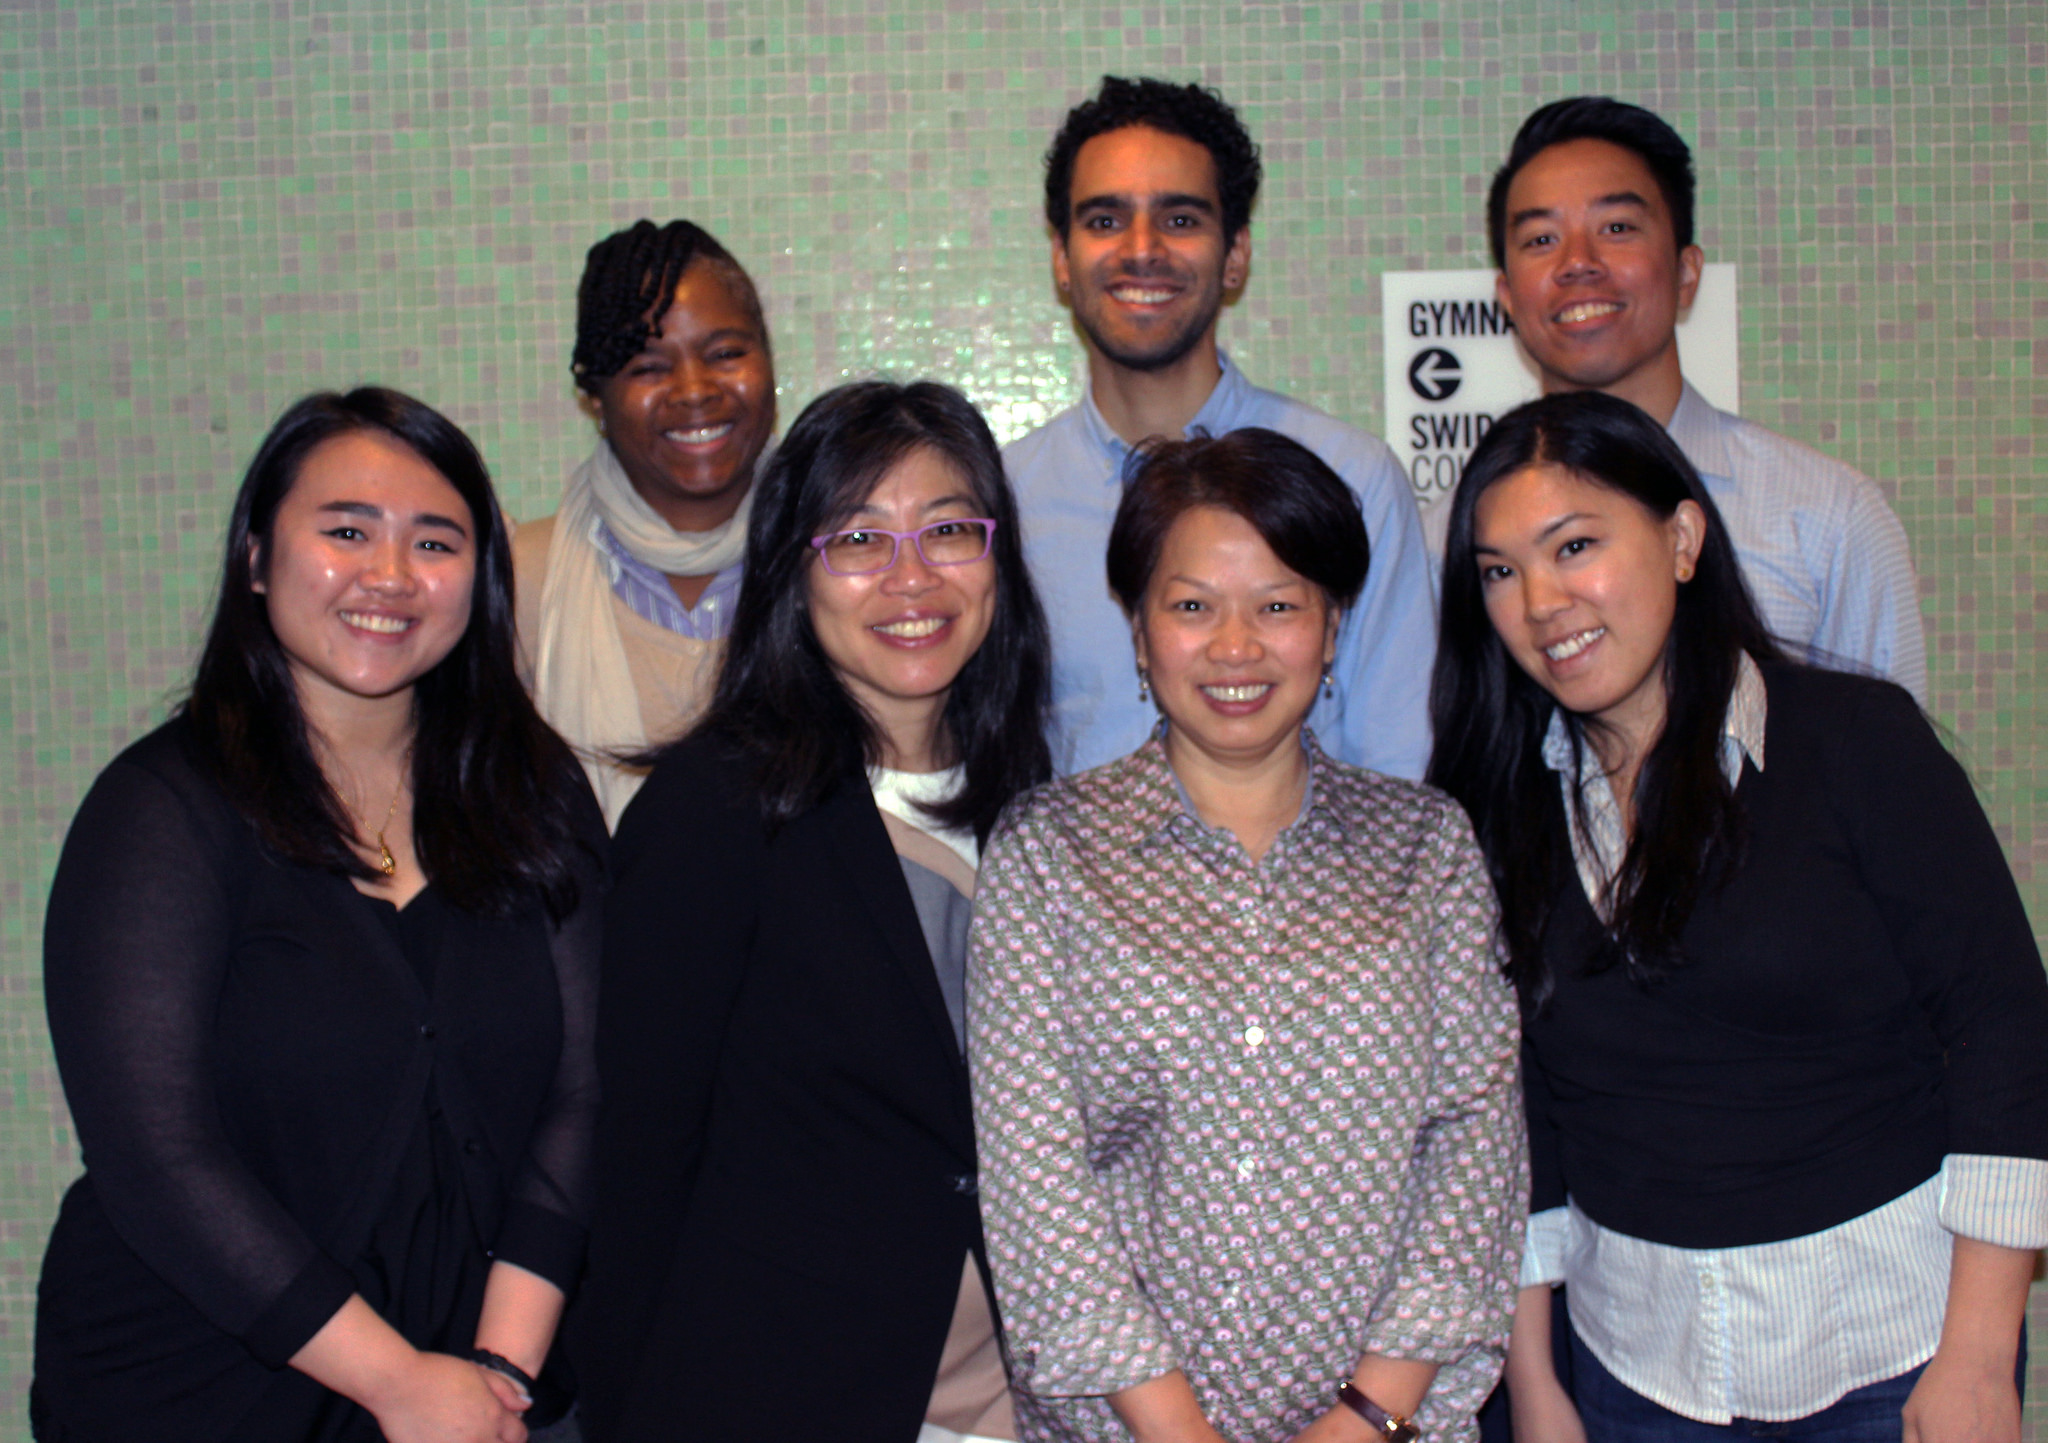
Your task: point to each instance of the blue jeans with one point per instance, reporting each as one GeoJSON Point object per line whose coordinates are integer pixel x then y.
{"type": "Point", "coordinates": [1615, 1413]}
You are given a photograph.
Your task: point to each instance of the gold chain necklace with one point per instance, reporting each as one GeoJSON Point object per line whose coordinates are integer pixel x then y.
{"type": "Point", "coordinates": [386, 863]}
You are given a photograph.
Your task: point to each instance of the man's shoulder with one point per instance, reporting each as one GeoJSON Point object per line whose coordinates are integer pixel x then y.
{"type": "Point", "coordinates": [1033, 447]}
{"type": "Point", "coordinates": [1339, 443]}
{"type": "Point", "coordinates": [1752, 451]}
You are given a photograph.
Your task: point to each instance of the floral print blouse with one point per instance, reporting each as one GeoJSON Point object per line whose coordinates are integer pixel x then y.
{"type": "Point", "coordinates": [1251, 1122]}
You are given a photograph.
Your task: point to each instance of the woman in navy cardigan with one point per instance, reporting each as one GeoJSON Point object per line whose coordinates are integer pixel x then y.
{"type": "Point", "coordinates": [1783, 1009]}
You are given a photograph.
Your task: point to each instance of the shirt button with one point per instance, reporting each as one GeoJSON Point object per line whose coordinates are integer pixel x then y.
{"type": "Point", "coordinates": [1254, 1035]}
{"type": "Point", "coordinates": [1245, 1168]}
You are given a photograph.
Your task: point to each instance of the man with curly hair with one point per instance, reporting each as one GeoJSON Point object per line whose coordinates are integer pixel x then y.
{"type": "Point", "coordinates": [1149, 188]}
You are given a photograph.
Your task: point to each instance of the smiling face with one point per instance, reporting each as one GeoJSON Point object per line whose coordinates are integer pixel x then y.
{"type": "Point", "coordinates": [1233, 639]}
{"type": "Point", "coordinates": [1581, 582]}
{"type": "Point", "coordinates": [690, 414]}
{"type": "Point", "coordinates": [1144, 261]}
{"type": "Point", "coordinates": [898, 638]}
{"type": "Point", "coordinates": [367, 572]}
{"type": "Point", "coordinates": [1594, 279]}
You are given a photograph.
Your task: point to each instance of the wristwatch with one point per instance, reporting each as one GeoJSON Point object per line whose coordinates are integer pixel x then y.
{"type": "Point", "coordinates": [1390, 1427]}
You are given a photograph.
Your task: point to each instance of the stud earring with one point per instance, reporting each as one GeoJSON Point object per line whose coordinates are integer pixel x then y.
{"type": "Point", "coordinates": [1144, 688]}
{"type": "Point", "coordinates": [1684, 571]}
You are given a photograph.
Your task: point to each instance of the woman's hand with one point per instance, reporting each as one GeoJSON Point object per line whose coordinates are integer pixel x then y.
{"type": "Point", "coordinates": [1544, 1415]}
{"type": "Point", "coordinates": [415, 1397]}
{"type": "Point", "coordinates": [1164, 1410]}
{"type": "Point", "coordinates": [1956, 1401]}
{"type": "Point", "coordinates": [1968, 1393]}
{"type": "Point", "coordinates": [1542, 1411]}
{"type": "Point", "coordinates": [518, 1322]}
{"type": "Point", "coordinates": [1396, 1384]}
{"type": "Point", "coordinates": [1339, 1425]}
{"type": "Point", "coordinates": [504, 1389]}
{"type": "Point", "coordinates": [442, 1399]}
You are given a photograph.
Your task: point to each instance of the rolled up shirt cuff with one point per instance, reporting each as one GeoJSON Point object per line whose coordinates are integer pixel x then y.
{"type": "Point", "coordinates": [1998, 1200]}
{"type": "Point", "coordinates": [1543, 1254]}
{"type": "Point", "coordinates": [1106, 1352]}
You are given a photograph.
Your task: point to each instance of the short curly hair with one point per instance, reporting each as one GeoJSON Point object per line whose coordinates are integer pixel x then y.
{"type": "Point", "coordinates": [1194, 112]}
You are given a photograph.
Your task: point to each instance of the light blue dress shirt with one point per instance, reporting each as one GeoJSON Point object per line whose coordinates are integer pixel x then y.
{"type": "Point", "coordinates": [1068, 477]}
{"type": "Point", "coordinates": [1823, 554]}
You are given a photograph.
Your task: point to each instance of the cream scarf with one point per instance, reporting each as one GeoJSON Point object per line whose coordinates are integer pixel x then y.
{"type": "Point", "coordinates": [582, 682]}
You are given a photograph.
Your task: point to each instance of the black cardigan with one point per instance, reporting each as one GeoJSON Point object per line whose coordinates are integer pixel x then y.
{"type": "Point", "coordinates": [246, 1053]}
{"type": "Point", "coordinates": [785, 1151]}
{"type": "Point", "coordinates": [1863, 997]}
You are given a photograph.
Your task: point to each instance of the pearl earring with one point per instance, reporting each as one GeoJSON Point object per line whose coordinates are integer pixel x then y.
{"type": "Point", "coordinates": [1144, 688]}
{"type": "Point", "coordinates": [1329, 687]}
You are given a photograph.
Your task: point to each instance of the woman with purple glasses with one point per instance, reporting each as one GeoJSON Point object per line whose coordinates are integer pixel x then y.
{"type": "Point", "coordinates": [788, 1236]}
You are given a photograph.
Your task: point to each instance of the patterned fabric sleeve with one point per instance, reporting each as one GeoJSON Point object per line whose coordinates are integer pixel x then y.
{"type": "Point", "coordinates": [1453, 1288]}
{"type": "Point", "coordinates": [1076, 1318]}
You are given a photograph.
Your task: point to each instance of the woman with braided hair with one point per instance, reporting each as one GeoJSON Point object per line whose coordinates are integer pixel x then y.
{"type": "Point", "coordinates": [626, 593]}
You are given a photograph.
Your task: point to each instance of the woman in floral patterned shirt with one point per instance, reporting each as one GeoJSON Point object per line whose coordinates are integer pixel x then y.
{"type": "Point", "coordinates": [1244, 1068]}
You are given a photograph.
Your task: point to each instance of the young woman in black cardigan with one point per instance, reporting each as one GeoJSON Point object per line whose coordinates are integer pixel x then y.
{"type": "Point", "coordinates": [1783, 1010]}
{"type": "Point", "coordinates": [321, 966]}
{"type": "Point", "coordinates": [787, 1241]}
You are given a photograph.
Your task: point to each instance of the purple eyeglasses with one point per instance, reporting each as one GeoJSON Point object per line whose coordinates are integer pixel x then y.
{"type": "Point", "coordinates": [865, 550]}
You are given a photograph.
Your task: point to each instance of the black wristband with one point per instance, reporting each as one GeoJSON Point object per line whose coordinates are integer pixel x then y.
{"type": "Point", "coordinates": [504, 1367]}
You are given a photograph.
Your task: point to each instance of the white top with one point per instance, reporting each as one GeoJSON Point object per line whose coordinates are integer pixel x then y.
{"type": "Point", "coordinates": [900, 793]}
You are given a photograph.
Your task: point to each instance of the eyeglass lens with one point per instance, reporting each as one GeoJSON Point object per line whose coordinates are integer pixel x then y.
{"type": "Point", "coordinates": [943, 543]}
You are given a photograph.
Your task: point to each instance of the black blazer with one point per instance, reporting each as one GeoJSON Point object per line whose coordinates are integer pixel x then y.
{"type": "Point", "coordinates": [785, 1148]}
{"type": "Point", "coordinates": [247, 1052]}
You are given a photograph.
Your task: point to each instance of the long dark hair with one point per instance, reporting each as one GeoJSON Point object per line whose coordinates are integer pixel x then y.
{"type": "Point", "coordinates": [1490, 716]}
{"type": "Point", "coordinates": [492, 811]}
{"type": "Point", "coordinates": [780, 704]}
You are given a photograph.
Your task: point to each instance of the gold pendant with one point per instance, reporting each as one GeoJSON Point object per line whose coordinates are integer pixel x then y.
{"type": "Point", "coordinates": [386, 863]}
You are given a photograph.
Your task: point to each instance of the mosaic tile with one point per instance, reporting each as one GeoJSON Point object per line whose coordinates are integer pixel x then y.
{"type": "Point", "coordinates": [213, 208]}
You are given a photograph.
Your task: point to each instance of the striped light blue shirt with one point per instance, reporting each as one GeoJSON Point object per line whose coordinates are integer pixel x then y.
{"type": "Point", "coordinates": [648, 595]}
{"type": "Point", "coordinates": [1779, 1330]}
{"type": "Point", "coordinates": [1823, 554]}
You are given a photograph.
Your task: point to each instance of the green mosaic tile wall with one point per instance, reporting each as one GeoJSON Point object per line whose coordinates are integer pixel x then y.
{"type": "Point", "coordinates": [210, 208]}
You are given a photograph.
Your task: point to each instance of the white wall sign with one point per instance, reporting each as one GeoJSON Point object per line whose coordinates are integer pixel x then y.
{"type": "Point", "coordinates": [1453, 365]}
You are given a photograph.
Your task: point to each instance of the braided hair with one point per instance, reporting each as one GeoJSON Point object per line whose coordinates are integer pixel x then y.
{"type": "Point", "coordinates": [628, 280]}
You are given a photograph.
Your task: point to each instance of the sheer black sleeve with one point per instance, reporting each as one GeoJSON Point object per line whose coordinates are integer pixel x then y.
{"type": "Point", "coordinates": [140, 933]}
{"type": "Point", "coordinates": [548, 1205]}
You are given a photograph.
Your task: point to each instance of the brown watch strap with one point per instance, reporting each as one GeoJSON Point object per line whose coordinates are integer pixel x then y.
{"type": "Point", "coordinates": [1391, 1428]}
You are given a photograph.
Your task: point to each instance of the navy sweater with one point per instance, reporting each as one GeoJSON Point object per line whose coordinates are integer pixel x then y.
{"type": "Point", "coordinates": [1861, 997]}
